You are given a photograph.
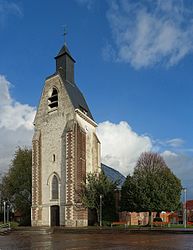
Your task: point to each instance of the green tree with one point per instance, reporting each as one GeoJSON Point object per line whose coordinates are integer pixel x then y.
{"type": "Point", "coordinates": [16, 184]}
{"type": "Point", "coordinates": [129, 195]}
{"type": "Point", "coordinates": [153, 186]}
{"type": "Point", "coordinates": [95, 186]}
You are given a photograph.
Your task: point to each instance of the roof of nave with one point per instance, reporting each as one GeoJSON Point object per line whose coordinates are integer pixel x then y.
{"type": "Point", "coordinates": [113, 175]}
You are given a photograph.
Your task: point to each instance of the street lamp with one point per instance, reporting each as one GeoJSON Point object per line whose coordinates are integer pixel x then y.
{"type": "Point", "coordinates": [185, 212]}
{"type": "Point", "coordinates": [4, 210]}
{"type": "Point", "coordinates": [101, 210]}
{"type": "Point", "coordinates": [7, 213]}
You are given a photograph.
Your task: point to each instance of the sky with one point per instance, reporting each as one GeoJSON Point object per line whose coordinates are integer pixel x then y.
{"type": "Point", "coordinates": [134, 63]}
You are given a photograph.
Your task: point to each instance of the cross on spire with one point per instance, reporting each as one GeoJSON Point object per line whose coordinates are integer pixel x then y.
{"type": "Point", "coordinates": [65, 33]}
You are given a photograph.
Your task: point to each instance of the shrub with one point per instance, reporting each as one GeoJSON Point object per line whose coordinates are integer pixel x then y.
{"type": "Point", "coordinates": [157, 219]}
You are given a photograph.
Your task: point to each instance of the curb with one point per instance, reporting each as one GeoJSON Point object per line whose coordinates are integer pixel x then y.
{"type": "Point", "coordinates": [120, 231]}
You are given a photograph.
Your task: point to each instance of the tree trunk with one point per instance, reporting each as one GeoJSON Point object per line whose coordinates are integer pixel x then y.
{"type": "Point", "coordinates": [98, 216]}
{"type": "Point", "coordinates": [150, 219]}
{"type": "Point", "coordinates": [158, 214]}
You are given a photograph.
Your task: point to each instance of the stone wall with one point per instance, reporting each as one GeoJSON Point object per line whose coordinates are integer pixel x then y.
{"type": "Point", "coordinates": [67, 148]}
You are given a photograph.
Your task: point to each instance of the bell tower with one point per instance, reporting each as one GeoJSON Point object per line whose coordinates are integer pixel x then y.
{"type": "Point", "coordinates": [65, 148]}
{"type": "Point", "coordinates": [65, 64]}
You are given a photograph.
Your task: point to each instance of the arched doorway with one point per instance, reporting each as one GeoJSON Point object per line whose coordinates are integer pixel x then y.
{"type": "Point", "coordinates": [55, 216]}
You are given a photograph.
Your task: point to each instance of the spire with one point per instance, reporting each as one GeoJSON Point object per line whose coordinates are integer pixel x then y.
{"type": "Point", "coordinates": [64, 50]}
{"type": "Point", "coordinates": [65, 62]}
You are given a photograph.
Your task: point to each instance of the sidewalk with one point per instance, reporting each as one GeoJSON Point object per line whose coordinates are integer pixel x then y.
{"type": "Point", "coordinates": [4, 229]}
{"type": "Point", "coordinates": [107, 230]}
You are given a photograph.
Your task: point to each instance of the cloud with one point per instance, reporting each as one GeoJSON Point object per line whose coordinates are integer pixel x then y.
{"type": "Point", "coordinates": [121, 146]}
{"type": "Point", "coordinates": [88, 3]}
{"type": "Point", "coordinates": [13, 115]}
{"type": "Point", "coordinates": [7, 9]}
{"type": "Point", "coordinates": [176, 142]}
{"type": "Point", "coordinates": [16, 124]}
{"type": "Point", "coordinates": [168, 154]}
{"type": "Point", "coordinates": [4, 93]}
{"type": "Point", "coordinates": [170, 144]}
{"type": "Point", "coordinates": [182, 166]}
{"type": "Point", "coordinates": [108, 52]}
{"type": "Point", "coordinates": [148, 33]}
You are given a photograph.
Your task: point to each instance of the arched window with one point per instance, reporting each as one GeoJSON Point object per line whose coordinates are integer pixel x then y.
{"type": "Point", "coordinates": [53, 99]}
{"type": "Point", "coordinates": [54, 187]}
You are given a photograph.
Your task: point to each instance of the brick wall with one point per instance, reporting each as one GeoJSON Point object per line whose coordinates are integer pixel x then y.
{"type": "Point", "coordinates": [36, 179]}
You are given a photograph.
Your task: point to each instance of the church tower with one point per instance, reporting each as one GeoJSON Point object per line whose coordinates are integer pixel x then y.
{"type": "Point", "coordinates": [65, 148]}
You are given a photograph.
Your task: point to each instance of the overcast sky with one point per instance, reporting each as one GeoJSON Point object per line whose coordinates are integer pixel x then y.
{"type": "Point", "coordinates": [134, 63]}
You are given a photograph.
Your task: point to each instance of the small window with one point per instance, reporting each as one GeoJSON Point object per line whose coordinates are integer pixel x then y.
{"type": "Point", "coordinates": [53, 99]}
{"type": "Point", "coordinates": [53, 157]}
{"type": "Point", "coordinates": [54, 188]}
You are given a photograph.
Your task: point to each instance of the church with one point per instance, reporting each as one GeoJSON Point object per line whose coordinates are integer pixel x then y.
{"type": "Point", "coordinates": [65, 148]}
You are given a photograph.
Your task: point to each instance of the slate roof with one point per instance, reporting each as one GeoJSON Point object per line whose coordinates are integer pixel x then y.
{"type": "Point", "coordinates": [74, 93]}
{"type": "Point", "coordinates": [76, 96]}
{"type": "Point", "coordinates": [113, 175]}
{"type": "Point", "coordinates": [64, 50]}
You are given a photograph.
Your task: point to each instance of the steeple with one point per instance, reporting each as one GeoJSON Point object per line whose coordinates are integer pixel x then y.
{"type": "Point", "coordinates": [65, 64]}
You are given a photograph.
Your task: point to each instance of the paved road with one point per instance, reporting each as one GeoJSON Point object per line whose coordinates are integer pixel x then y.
{"type": "Point", "coordinates": [59, 241]}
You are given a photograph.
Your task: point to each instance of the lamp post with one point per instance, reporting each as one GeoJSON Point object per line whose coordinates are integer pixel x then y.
{"type": "Point", "coordinates": [0, 198]}
{"type": "Point", "coordinates": [185, 212]}
{"type": "Point", "coordinates": [4, 211]}
{"type": "Point", "coordinates": [101, 210]}
{"type": "Point", "coordinates": [7, 213]}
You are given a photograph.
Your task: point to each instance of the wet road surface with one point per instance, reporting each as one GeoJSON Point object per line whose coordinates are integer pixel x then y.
{"type": "Point", "coordinates": [59, 241]}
